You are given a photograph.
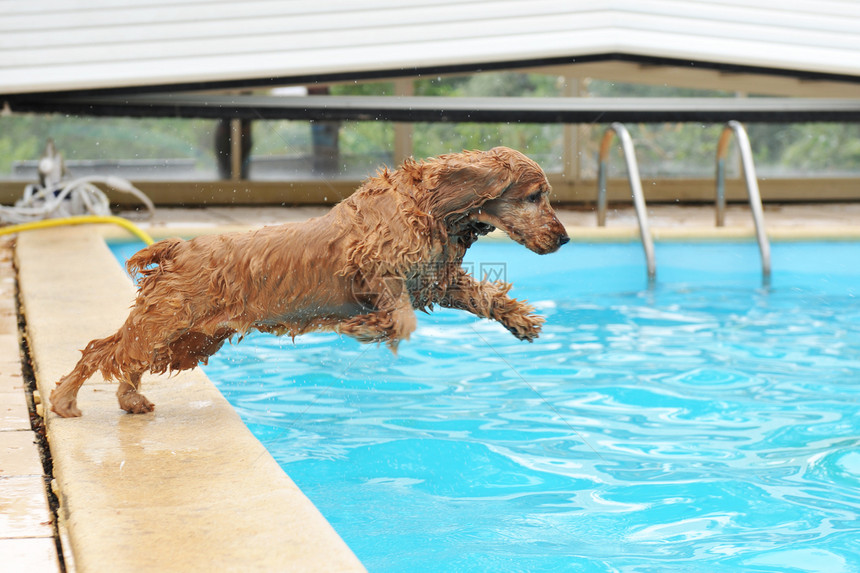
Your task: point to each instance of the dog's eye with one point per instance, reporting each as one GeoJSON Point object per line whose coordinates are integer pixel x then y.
{"type": "Point", "coordinates": [534, 197]}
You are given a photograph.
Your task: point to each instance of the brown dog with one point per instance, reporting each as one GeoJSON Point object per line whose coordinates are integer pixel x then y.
{"type": "Point", "coordinates": [395, 245]}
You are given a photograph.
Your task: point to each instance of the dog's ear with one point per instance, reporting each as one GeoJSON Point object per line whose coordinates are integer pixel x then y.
{"type": "Point", "coordinates": [458, 183]}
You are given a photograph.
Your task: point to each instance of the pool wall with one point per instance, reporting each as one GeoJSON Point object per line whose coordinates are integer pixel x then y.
{"type": "Point", "coordinates": [185, 488]}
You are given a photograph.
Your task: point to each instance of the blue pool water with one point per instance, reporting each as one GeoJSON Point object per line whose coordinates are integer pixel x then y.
{"type": "Point", "coordinates": [709, 423]}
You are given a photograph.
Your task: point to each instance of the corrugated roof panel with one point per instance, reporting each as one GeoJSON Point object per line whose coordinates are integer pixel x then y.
{"type": "Point", "coordinates": [297, 38]}
{"type": "Point", "coordinates": [53, 45]}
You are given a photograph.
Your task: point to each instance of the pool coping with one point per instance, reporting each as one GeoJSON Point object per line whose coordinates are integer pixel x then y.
{"type": "Point", "coordinates": [783, 222]}
{"type": "Point", "coordinates": [578, 234]}
{"type": "Point", "coordinates": [185, 488]}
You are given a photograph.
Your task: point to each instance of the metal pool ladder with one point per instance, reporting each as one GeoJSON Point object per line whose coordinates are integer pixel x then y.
{"type": "Point", "coordinates": [751, 183]}
{"type": "Point", "coordinates": [635, 188]}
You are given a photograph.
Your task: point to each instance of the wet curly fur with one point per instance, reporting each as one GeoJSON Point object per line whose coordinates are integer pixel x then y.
{"type": "Point", "coordinates": [394, 246]}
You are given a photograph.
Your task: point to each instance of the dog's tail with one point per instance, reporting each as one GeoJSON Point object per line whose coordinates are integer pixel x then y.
{"type": "Point", "coordinates": [153, 255]}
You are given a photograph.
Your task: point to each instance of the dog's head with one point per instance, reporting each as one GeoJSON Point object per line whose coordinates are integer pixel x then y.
{"type": "Point", "coordinates": [478, 190]}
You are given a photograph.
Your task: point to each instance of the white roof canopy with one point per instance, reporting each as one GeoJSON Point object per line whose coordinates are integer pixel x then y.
{"type": "Point", "coordinates": [64, 45]}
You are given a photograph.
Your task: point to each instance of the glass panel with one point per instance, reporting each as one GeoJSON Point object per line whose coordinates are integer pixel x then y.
{"type": "Point", "coordinates": [543, 143]}
{"type": "Point", "coordinates": [304, 150]}
{"type": "Point", "coordinates": [668, 150]}
{"type": "Point", "coordinates": [806, 150]}
{"type": "Point", "coordinates": [133, 148]}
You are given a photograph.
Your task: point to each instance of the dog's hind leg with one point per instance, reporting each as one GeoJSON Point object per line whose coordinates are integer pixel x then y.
{"type": "Point", "coordinates": [129, 396]}
{"type": "Point", "coordinates": [64, 398]}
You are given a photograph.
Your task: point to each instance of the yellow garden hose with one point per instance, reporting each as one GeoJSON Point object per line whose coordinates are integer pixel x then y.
{"type": "Point", "coordinates": [82, 220]}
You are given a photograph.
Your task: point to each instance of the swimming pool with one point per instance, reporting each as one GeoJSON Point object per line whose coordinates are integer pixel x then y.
{"type": "Point", "coordinates": [707, 423]}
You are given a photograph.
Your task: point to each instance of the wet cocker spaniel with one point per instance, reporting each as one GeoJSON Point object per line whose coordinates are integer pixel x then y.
{"type": "Point", "coordinates": [394, 246]}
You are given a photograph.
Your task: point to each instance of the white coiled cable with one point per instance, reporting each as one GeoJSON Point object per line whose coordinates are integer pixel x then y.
{"type": "Point", "coordinates": [66, 199]}
{"type": "Point", "coordinates": [53, 197]}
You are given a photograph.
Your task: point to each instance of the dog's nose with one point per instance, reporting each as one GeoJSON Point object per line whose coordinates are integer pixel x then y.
{"type": "Point", "coordinates": [563, 240]}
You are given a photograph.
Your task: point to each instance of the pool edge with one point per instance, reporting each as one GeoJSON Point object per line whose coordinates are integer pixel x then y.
{"type": "Point", "coordinates": [185, 488]}
{"type": "Point", "coordinates": [578, 233]}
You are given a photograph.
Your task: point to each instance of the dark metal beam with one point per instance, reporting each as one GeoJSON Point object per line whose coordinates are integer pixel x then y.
{"type": "Point", "coordinates": [452, 109]}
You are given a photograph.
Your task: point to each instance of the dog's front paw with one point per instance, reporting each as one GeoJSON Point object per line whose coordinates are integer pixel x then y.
{"type": "Point", "coordinates": [526, 327]}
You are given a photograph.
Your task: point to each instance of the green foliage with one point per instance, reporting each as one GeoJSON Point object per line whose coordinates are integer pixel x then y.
{"type": "Point", "coordinates": [364, 89]}
{"type": "Point", "coordinates": [602, 88]}
{"type": "Point", "coordinates": [492, 84]}
{"type": "Point", "coordinates": [826, 148]}
{"type": "Point", "coordinates": [273, 138]}
{"type": "Point", "coordinates": [374, 138]}
{"type": "Point", "coordinates": [662, 150]}
{"type": "Point", "coordinates": [23, 137]}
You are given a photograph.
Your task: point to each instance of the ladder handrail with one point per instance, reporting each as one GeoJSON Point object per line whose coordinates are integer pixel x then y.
{"type": "Point", "coordinates": [635, 188]}
{"type": "Point", "coordinates": [753, 194]}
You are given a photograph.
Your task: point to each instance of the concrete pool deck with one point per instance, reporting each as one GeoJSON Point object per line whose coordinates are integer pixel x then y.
{"type": "Point", "coordinates": [184, 488]}
{"type": "Point", "coordinates": [188, 487]}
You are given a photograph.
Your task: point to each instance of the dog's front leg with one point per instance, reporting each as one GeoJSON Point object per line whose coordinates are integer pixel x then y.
{"type": "Point", "coordinates": [491, 300]}
{"type": "Point", "coordinates": [393, 321]}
